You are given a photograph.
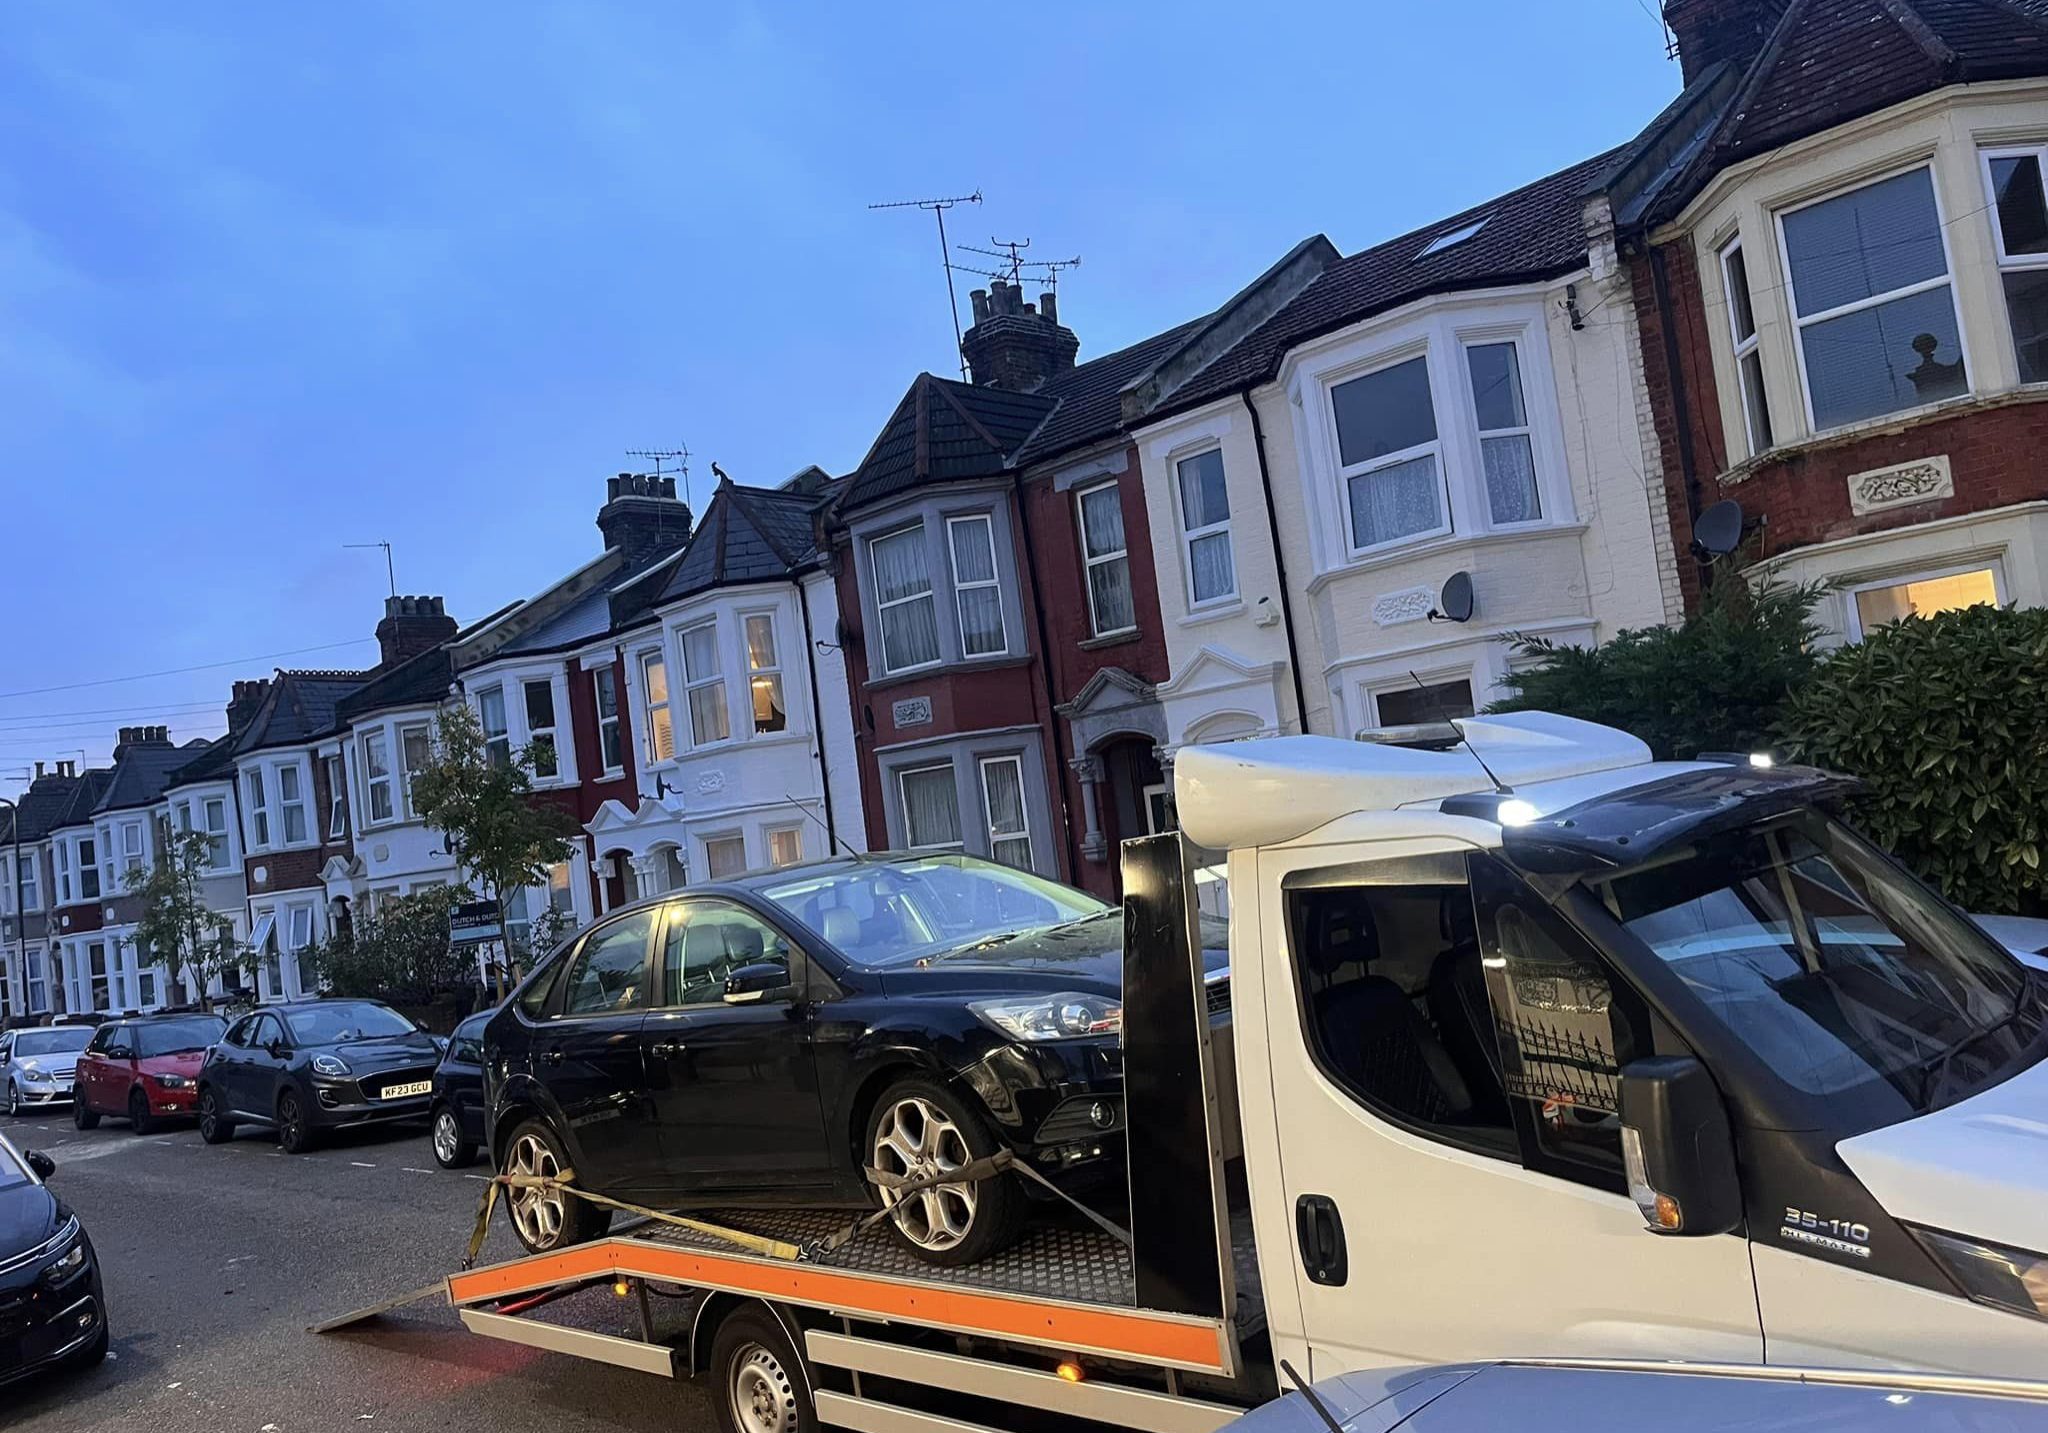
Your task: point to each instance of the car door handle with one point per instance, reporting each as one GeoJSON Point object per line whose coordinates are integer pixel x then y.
{"type": "Point", "coordinates": [666, 1047]}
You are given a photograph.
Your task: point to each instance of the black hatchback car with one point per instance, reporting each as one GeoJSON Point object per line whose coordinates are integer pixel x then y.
{"type": "Point", "coordinates": [456, 1116]}
{"type": "Point", "coordinates": [768, 1039]}
{"type": "Point", "coordinates": [316, 1065]}
{"type": "Point", "coordinates": [52, 1309]}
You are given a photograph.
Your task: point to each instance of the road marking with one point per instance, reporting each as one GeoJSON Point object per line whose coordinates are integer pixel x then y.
{"type": "Point", "coordinates": [410, 1170]}
{"type": "Point", "coordinates": [484, 1177]}
{"type": "Point", "coordinates": [360, 1165]}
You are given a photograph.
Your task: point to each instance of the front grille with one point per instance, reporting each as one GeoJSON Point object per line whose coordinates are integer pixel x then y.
{"type": "Point", "coordinates": [1218, 995]}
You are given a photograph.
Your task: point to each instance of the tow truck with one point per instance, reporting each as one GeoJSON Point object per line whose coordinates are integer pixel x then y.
{"type": "Point", "coordinates": [1539, 1048]}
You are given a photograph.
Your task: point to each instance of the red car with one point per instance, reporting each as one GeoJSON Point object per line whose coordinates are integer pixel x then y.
{"type": "Point", "coordinates": [143, 1068]}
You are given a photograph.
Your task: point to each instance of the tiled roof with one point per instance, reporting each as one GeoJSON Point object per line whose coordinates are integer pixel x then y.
{"type": "Point", "coordinates": [1529, 234]}
{"type": "Point", "coordinates": [84, 798]}
{"type": "Point", "coordinates": [298, 707]}
{"type": "Point", "coordinates": [214, 762]}
{"type": "Point", "coordinates": [419, 681]}
{"type": "Point", "coordinates": [43, 805]}
{"type": "Point", "coordinates": [141, 773]}
{"type": "Point", "coordinates": [1088, 410]}
{"type": "Point", "coordinates": [747, 535]}
{"type": "Point", "coordinates": [943, 431]}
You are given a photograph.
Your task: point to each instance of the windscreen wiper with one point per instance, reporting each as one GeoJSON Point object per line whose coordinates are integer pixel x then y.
{"type": "Point", "coordinates": [1935, 1072]}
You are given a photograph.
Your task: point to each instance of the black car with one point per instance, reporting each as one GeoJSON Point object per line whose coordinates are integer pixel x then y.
{"type": "Point", "coordinates": [457, 1112]}
{"type": "Point", "coordinates": [763, 1040]}
{"type": "Point", "coordinates": [52, 1310]}
{"type": "Point", "coordinates": [316, 1065]}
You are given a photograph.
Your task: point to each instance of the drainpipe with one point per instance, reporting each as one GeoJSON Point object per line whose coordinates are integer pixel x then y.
{"type": "Point", "coordinates": [1667, 319]}
{"type": "Point", "coordinates": [1279, 560]}
{"type": "Point", "coordinates": [803, 605]}
{"type": "Point", "coordinates": [1059, 747]}
{"type": "Point", "coordinates": [20, 915]}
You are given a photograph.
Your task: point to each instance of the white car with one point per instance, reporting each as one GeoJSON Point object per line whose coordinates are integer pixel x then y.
{"type": "Point", "coordinates": [2025, 936]}
{"type": "Point", "coordinates": [37, 1065]}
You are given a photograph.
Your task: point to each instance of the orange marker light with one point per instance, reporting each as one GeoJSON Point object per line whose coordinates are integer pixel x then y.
{"type": "Point", "coordinates": [621, 1287]}
{"type": "Point", "coordinates": [1070, 1371]}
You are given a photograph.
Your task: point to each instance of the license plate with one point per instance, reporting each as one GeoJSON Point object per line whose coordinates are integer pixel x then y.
{"type": "Point", "coordinates": [399, 1092]}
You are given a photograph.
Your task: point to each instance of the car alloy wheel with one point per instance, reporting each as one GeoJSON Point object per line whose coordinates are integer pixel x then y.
{"type": "Point", "coordinates": [537, 1212]}
{"type": "Point", "coordinates": [762, 1398]}
{"type": "Point", "coordinates": [447, 1136]}
{"type": "Point", "coordinates": [13, 1100]}
{"type": "Point", "coordinates": [214, 1128]}
{"type": "Point", "coordinates": [916, 1139]}
{"type": "Point", "coordinates": [292, 1134]}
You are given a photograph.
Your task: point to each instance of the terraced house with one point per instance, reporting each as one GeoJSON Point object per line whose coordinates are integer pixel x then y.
{"type": "Point", "coordinates": [29, 987]}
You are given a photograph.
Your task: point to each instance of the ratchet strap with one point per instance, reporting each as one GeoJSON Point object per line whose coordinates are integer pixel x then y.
{"type": "Point", "coordinates": [563, 1184]}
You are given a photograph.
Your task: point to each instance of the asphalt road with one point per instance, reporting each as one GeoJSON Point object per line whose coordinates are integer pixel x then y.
{"type": "Point", "coordinates": [217, 1259]}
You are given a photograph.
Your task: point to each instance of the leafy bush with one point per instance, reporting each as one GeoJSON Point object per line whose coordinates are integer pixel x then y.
{"type": "Point", "coordinates": [1946, 718]}
{"type": "Point", "coordinates": [399, 953]}
{"type": "Point", "coordinates": [1719, 682]}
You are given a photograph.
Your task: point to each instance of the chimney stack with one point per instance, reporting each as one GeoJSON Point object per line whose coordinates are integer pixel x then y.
{"type": "Point", "coordinates": [130, 737]}
{"type": "Point", "coordinates": [242, 704]}
{"type": "Point", "coordinates": [39, 771]}
{"type": "Point", "coordinates": [412, 625]}
{"type": "Point", "coordinates": [67, 769]}
{"type": "Point", "coordinates": [643, 517]}
{"type": "Point", "coordinates": [1703, 31]}
{"type": "Point", "coordinates": [1013, 345]}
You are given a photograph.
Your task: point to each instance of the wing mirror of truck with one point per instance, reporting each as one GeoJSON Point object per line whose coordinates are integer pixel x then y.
{"type": "Point", "coordinates": [1677, 1149]}
{"type": "Point", "coordinates": [755, 982]}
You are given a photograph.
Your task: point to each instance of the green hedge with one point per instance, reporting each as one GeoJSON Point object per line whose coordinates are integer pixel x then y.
{"type": "Point", "coordinates": [1946, 718]}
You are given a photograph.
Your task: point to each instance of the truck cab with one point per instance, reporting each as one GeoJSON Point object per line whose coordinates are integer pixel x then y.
{"type": "Point", "coordinates": [1547, 1048]}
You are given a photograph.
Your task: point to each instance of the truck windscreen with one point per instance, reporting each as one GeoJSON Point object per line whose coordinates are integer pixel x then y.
{"type": "Point", "coordinates": [1831, 966]}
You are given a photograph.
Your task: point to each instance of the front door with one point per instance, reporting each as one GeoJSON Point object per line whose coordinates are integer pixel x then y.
{"type": "Point", "coordinates": [1445, 1051]}
{"type": "Point", "coordinates": [587, 1056]}
{"type": "Point", "coordinates": [735, 1084]}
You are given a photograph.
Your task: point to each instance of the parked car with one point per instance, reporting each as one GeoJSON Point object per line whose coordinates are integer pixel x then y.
{"type": "Point", "coordinates": [316, 1065]}
{"type": "Point", "coordinates": [457, 1112]}
{"type": "Point", "coordinates": [36, 1065]}
{"type": "Point", "coordinates": [2025, 936]}
{"type": "Point", "coordinates": [52, 1309]}
{"type": "Point", "coordinates": [1591, 1397]}
{"type": "Point", "coordinates": [764, 1040]}
{"type": "Point", "coordinates": [142, 1067]}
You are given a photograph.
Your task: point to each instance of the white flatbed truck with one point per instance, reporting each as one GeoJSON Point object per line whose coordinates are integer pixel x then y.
{"type": "Point", "coordinates": [1537, 1048]}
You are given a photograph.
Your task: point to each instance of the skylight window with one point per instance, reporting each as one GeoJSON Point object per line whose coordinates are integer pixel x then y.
{"type": "Point", "coordinates": [1449, 237]}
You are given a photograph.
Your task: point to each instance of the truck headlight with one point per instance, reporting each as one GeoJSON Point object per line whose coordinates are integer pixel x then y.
{"type": "Point", "coordinates": [1992, 1274]}
{"type": "Point", "coordinates": [329, 1065]}
{"type": "Point", "coordinates": [1063, 1016]}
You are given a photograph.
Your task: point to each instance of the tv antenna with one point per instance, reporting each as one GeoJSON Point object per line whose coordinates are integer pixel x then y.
{"type": "Point", "coordinates": [937, 208]}
{"type": "Point", "coordinates": [390, 572]}
{"type": "Point", "coordinates": [1014, 263]}
{"type": "Point", "coordinates": [657, 456]}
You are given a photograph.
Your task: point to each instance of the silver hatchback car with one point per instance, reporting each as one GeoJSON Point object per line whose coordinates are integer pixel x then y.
{"type": "Point", "coordinates": [37, 1065]}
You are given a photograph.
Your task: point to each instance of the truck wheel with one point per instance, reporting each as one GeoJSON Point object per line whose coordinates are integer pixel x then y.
{"type": "Point", "coordinates": [920, 1128]}
{"type": "Point", "coordinates": [214, 1125]}
{"type": "Point", "coordinates": [82, 1114]}
{"type": "Point", "coordinates": [451, 1150]}
{"type": "Point", "coordinates": [139, 1119]}
{"type": "Point", "coordinates": [295, 1132]}
{"type": "Point", "coordinates": [760, 1384]}
{"type": "Point", "coordinates": [544, 1220]}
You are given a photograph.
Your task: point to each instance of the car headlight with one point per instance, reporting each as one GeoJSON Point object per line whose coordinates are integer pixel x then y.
{"type": "Point", "coordinates": [1063, 1016]}
{"type": "Point", "coordinates": [31, 1069]}
{"type": "Point", "coordinates": [329, 1065]}
{"type": "Point", "coordinates": [171, 1082]}
{"type": "Point", "coordinates": [1993, 1274]}
{"type": "Point", "coordinates": [70, 1261]}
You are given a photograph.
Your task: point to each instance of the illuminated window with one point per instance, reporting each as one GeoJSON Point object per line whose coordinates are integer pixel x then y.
{"type": "Point", "coordinates": [1922, 597]}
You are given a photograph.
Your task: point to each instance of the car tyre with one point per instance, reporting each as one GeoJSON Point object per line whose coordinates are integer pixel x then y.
{"type": "Point", "coordinates": [920, 1127]}
{"type": "Point", "coordinates": [546, 1222]}
{"type": "Point", "coordinates": [13, 1100]}
{"type": "Point", "coordinates": [93, 1353]}
{"type": "Point", "coordinates": [759, 1381]}
{"type": "Point", "coordinates": [140, 1120]}
{"type": "Point", "coordinates": [295, 1132]}
{"type": "Point", "coordinates": [451, 1150]}
{"type": "Point", "coordinates": [82, 1114]}
{"type": "Point", "coordinates": [214, 1125]}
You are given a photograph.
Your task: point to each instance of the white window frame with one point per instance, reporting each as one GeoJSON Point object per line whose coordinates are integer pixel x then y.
{"type": "Point", "coordinates": [1742, 347]}
{"type": "Point", "coordinates": [643, 661]}
{"type": "Point", "coordinates": [1852, 620]}
{"type": "Point", "coordinates": [1482, 495]}
{"type": "Point", "coordinates": [337, 789]}
{"type": "Point", "coordinates": [29, 887]}
{"type": "Point", "coordinates": [694, 683]}
{"type": "Point", "coordinates": [134, 849]}
{"type": "Point", "coordinates": [60, 856]}
{"type": "Point", "coordinates": [404, 768]}
{"type": "Point", "coordinates": [109, 884]}
{"type": "Point", "coordinates": [213, 833]}
{"type": "Point", "coordinates": [87, 862]}
{"type": "Point", "coordinates": [903, 773]}
{"type": "Point", "coordinates": [777, 833]}
{"type": "Point", "coordinates": [552, 731]}
{"type": "Point", "coordinates": [286, 805]}
{"type": "Point", "coordinates": [2009, 262]}
{"type": "Point", "coordinates": [1947, 277]}
{"type": "Point", "coordinates": [600, 677]}
{"type": "Point", "coordinates": [1382, 362]}
{"type": "Point", "coordinates": [988, 815]}
{"type": "Point", "coordinates": [1189, 535]}
{"type": "Point", "coordinates": [773, 671]}
{"type": "Point", "coordinates": [257, 801]}
{"type": "Point", "coordinates": [1122, 554]}
{"type": "Point", "coordinates": [993, 581]}
{"type": "Point", "coordinates": [930, 594]}
{"type": "Point", "coordinates": [376, 739]}
{"type": "Point", "coordinates": [503, 736]}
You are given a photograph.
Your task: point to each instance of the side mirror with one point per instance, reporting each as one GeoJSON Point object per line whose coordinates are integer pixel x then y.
{"type": "Point", "coordinates": [275, 1049]}
{"type": "Point", "coordinates": [754, 982]}
{"type": "Point", "coordinates": [41, 1163]}
{"type": "Point", "coordinates": [1677, 1148]}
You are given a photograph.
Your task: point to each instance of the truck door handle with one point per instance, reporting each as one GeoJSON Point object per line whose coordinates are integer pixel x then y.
{"type": "Point", "coordinates": [1320, 1231]}
{"type": "Point", "coordinates": [666, 1047]}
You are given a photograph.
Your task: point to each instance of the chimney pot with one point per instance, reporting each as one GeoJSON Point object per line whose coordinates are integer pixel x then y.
{"type": "Point", "coordinates": [39, 771]}
{"type": "Point", "coordinates": [412, 625]}
{"type": "Point", "coordinates": [1048, 306]}
{"type": "Point", "coordinates": [1014, 345]}
{"type": "Point", "coordinates": [978, 301]}
{"type": "Point", "coordinates": [1704, 31]}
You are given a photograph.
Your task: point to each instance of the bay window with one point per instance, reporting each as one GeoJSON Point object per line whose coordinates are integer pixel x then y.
{"type": "Point", "coordinates": [2022, 234]}
{"type": "Point", "coordinates": [1872, 306]}
{"type": "Point", "coordinates": [604, 684]}
{"type": "Point", "coordinates": [60, 852]}
{"type": "Point", "coordinates": [131, 847]}
{"type": "Point", "coordinates": [1205, 528]}
{"type": "Point", "coordinates": [214, 809]}
{"type": "Point", "coordinates": [904, 605]}
{"type": "Point", "coordinates": [336, 824]}
{"type": "Point", "coordinates": [1002, 793]}
{"type": "Point", "coordinates": [88, 870]}
{"type": "Point", "coordinates": [26, 878]}
{"type": "Point", "coordinates": [291, 803]}
{"type": "Point", "coordinates": [704, 684]}
{"type": "Point", "coordinates": [490, 714]}
{"type": "Point", "coordinates": [1506, 455]}
{"type": "Point", "coordinates": [1389, 457]}
{"type": "Point", "coordinates": [764, 673]}
{"type": "Point", "coordinates": [931, 808]}
{"type": "Point", "coordinates": [661, 733]}
{"type": "Point", "coordinates": [976, 590]}
{"type": "Point", "coordinates": [377, 773]}
{"type": "Point", "coordinates": [539, 697]}
{"type": "Point", "coordinates": [415, 754]}
{"type": "Point", "coordinates": [1106, 557]}
{"type": "Point", "coordinates": [259, 814]}
{"type": "Point", "coordinates": [1749, 362]}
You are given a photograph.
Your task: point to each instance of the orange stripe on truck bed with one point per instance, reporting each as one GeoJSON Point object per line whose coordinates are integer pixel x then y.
{"type": "Point", "coordinates": [1081, 1328]}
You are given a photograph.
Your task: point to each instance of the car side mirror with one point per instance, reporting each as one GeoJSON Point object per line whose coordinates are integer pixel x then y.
{"type": "Point", "coordinates": [755, 982]}
{"type": "Point", "coordinates": [41, 1163]}
{"type": "Point", "coordinates": [1677, 1149]}
{"type": "Point", "coordinates": [275, 1049]}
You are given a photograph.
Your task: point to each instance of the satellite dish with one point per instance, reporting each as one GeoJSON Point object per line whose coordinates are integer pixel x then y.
{"type": "Point", "coordinates": [1717, 531]}
{"type": "Point", "coordinates": [1454, 603]}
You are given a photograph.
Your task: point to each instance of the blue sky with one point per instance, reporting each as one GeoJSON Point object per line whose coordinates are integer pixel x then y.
{"type": "Point", "coordinates": [276, 278]}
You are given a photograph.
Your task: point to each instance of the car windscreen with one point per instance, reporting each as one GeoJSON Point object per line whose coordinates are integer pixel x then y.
{"type": "Point", "coordinates": [1834, 968]}
{"type": "Point", "coordinates": [341, 1020]}
{"type": "Point", "coordinates": [13, 1169]}
{"type": "Point", "coordinates": [68, 1041]}
{"type": "Point", "coordinates": [887, 913]}
{"type": "Point", "coordinates": [171, 1037]}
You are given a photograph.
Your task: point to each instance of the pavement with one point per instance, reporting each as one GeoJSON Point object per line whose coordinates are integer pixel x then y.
{"type": "Point", "coordinates": [217, 1258]}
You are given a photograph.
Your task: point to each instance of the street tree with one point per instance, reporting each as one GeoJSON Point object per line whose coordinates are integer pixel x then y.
{"type": "Point", "coordinates": [176, 925]}
{"type": "Point", "coordinates": [480, 797]}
